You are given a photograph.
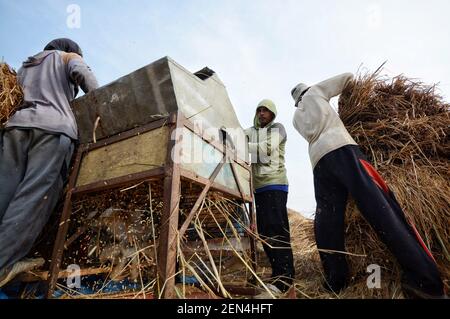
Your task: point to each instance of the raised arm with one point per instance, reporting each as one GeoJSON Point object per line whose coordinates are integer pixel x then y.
{"type": "Point", "coordinates": [334, 86]}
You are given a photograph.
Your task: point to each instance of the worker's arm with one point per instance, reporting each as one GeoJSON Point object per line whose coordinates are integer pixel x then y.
{"type": "Point", "coordinates": [334, 86]}
{"type": "Point", "coordinates": [269, 142]}
{"type": "Point", "coordinates": [80, 73]}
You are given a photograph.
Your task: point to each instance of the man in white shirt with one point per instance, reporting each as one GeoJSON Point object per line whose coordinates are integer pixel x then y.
{"type": "Point", "coordinates": [341, 169]}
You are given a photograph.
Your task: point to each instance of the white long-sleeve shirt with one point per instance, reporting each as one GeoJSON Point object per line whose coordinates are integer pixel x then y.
{"type": "Point", "coordinates": [318, 122]}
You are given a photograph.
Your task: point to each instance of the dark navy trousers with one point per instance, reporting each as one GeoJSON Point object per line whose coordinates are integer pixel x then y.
{"type": "Point", "coordinates": [345, 172]}
{"type": "Point", "coordinates": [33, 166]}
{"type": "Point", "coordinates": [273, 227]}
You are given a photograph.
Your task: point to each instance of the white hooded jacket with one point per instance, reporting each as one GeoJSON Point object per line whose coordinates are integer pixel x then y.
{"type": "Point", "coordinates": [318, 122]}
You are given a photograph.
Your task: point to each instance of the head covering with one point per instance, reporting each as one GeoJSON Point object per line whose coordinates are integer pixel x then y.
{"type": "Point", "coordinates": [270, 105]}
{"type": "Point", "coordinates": [298, 91]}
{"type": "Point", "coordinates": [64, 44]}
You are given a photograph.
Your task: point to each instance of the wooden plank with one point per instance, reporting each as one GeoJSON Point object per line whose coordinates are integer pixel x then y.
{"type": "Point", "coordinates": [167, 249]}
{"type": "Point", "coordinates": [120, 181]}
{"type": "Point", "coordinates": [58, 248]}
{"type": "Point", "coordinates": [134, 155]}
{"type": "Point", "coordinates": [131, 133]}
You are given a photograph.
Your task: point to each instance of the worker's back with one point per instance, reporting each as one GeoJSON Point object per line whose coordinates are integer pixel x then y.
{"type": "Point", "coordinates": [49, 82]}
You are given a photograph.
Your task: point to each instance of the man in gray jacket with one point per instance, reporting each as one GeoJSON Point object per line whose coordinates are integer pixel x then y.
{"type": "Point", "coordinates": [341, 169]}
{"type": "Point", "coordinates": [35, 150]}
{"type": "Point", "coordinates": [267, 144]}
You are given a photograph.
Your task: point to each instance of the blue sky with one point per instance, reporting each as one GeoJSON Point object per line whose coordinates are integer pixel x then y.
{"type": "Point", "coordinates": [260, 49]}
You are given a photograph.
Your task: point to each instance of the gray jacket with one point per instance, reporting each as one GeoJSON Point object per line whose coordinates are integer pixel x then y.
{"type": "Point", "coordinates": [50, 82]}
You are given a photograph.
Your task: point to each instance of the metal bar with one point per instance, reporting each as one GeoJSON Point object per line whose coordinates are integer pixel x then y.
{"type": "Point", "coordinates": [167, 250]}
{"type": "Point", "coordinates": [58, 248]}
{"type": "Point", "coordinates": [131, 133]}
{"type": "Point", "coordinates": [189, 125]}
{"type": "Point", "coordinates": [120, 181]}
{"type": "Point", "coordinates": [250, 214]}
{"type": "Point", "coordinates": [252, 246]}
{"type": "Point", "coordinates": [193, 177]}
{"type": "Point", "coordinates": [201, 198]}
{"type": "Point", "coordinates": [238, 183]}
{"type": "Point", "coordinates": [252, 219]}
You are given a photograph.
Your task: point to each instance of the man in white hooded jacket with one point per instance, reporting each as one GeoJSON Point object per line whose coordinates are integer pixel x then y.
{"type": "Point", "coordinates": [341, 169]}
{"type": "Point", "coordinates": [267, 144]}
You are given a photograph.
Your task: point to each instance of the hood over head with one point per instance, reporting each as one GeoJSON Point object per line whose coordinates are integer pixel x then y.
{"type": "Point", "coordinates": [270, 105]}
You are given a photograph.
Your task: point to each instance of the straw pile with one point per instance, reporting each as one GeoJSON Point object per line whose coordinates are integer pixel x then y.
{"type": "Point", "coordinates": [403, 127]}
{"type": "Point", "coordinates": [11, 94]}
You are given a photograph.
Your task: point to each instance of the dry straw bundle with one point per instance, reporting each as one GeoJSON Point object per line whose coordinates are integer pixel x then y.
{"type": "Point", "coordinates": [403, 127]}
{"type": "Point", "coordinates": [397, 121]}
{"type": "Point", "coordinates": [11, 94]}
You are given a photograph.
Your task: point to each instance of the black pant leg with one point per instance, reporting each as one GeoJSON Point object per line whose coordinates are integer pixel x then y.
{"type": "Point", "coordinates": [283, 258]}
{"type": "Point", "coordinates": [273, 226]}
{"type": "Point", "coordinates": [381, 210]}
{"type": "Point", "coordinates": [263, 224]}
{"type": "Point", "coordinates": [329, 226]}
